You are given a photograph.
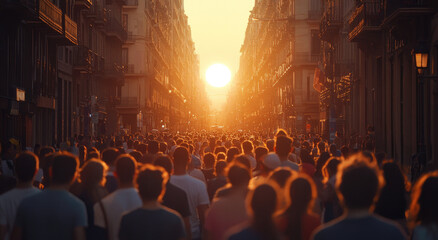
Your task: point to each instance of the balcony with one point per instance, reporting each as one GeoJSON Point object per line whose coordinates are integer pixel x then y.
{"type": "Point", "coordinates": [331, 23]}
{"type": "Point", "coordinates": [115, 29]}
{"type": "Point", "coordinates": [71, 30]}
{"type": "Point", "coordinates": [407, 9]}
{"type": "Point", "coordinates": [83, 4]}
{"type": "Point", "coordinates": [51, 15]}
{"type": "Point", "coordinates": [113, 72]}
{"type": "Point", "coordinates": [98, 13]}
{"type": "Point", "coordinates": [82, 58]}
{"type": "Point", "coordinates": [130, 4]}
{"type": "Point", "coordinates": [365, 20]}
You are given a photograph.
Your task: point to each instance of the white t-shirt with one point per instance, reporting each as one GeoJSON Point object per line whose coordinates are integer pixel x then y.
{"type": "Point", "coordinates": [196, 194]}
{"type": "Point", "coordinates": [198, 174]}
{"type": "Point", "coordinates": [116, 204]}
{"type": "Point", "coordinates": [9, 203]}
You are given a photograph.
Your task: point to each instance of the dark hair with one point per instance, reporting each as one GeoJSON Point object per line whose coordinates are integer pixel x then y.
{"type": "Point", "coordinates": [141, 147]}
{"type": "Point", "coordinates": [358, 182]}
{"type": "Point", "coordinates": [93, 154]}
{"type": "Point", "coordinates": [392, 200]}
{"type": "Point", "coordinates": [164, 162]}
{"type": "Point", "coordinates": [305, 157]}
{"type": "Point", "coordinates": [153, 147]}
{"type": "Point", "coordinates": [151, 182]}
{"type": "Point", "coordinates": [232, 151]}
{"type": "Point", "coordinates": [238, 174]}
{"type": "Point", "coordinates": [181, 157]}
{"type": "Point", "coordinates": [242, 159]}
{"type": "Point", "coordinates": [302, 192]}
{"type": "Point", "coordinates": [221, 156]}
{"type": "Point", "coordinates": [163, 147]}
{"type": "Point", "coordinates": [247, 146]}
{"type": "Point", "coordinates": [219, 167]}
{"type": "Point", "coordinates": [220, 149]}
{"type": "Point", "coordinates": [64, 168]}
{"type": "Point", "coordinates": [424, 208]}
{"type": "Point", "coordinates": [93, 173]}
{"type": "Point", "coordinates": [280, 176]}
{"type": "Point", "coordinates": [263, 203]}
{"type": "Point", "coordinates": [138, 156]}
{"type": "Point", "coordinates": [270, 144]}
{"type": "Point", "coordinates": [259, 153]}
{"type": "Point", "coordinates": [110, 155]}
{"type": "Point", "coordinates": [125, 168]}
{"type": "Point", "coordinates": [330, 168]}
{"type": "Point", "coordinates": [322, 160]}
{"type": "Point", "coordinates": [209, 160]}
{"type": "Point", "coordinates": [26, 165]}
{"type": "Point", "coordinates": [283, 146]}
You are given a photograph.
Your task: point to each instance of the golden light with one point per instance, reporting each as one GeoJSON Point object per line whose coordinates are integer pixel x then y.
{"type": "Point", "coordinates": [218, 75]}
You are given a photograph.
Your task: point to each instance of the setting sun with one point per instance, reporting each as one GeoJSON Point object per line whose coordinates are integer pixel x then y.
{"type": "Point", "coordinates": [218, 75]}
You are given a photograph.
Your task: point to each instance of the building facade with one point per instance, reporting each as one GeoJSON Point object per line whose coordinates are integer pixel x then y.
{"type": "Point", "coordinates": [274, 84]}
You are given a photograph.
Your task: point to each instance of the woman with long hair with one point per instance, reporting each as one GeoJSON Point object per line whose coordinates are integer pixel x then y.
{"type": "Point", "coordinates": [424, 207]}
{"type": "Point", "coordinates": [298, 221]}
{"type": "Point", "coordinates": [262, 204]}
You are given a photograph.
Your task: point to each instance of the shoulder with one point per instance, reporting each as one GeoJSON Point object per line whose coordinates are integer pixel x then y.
{"type": "Point", "coordinates": [329, 230]}
{"type": "Point", "coordinates": [388, 226]}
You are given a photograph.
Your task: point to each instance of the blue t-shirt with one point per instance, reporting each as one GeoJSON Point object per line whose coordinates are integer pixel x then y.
{"type": "Point", "coordinates": [369, 227]}
{"type": "Point", "coordinates": [162, 223]}
{"type": "Point", "coordinates": [51, 214]}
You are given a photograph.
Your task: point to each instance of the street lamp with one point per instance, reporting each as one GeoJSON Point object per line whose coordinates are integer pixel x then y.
{"type": "Point", "coordinates": [421, 54]}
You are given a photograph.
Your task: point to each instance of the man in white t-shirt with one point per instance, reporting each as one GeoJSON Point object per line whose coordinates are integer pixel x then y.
{"type": "Point", "coordinates": [123, 200]}
{"type": "Point", "coordinates": [195, 189]}
{"type": "Point", "coordinates": [26, 166]}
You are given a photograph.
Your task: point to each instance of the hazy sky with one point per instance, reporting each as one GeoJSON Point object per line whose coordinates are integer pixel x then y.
{"type": "Point", "coordinates": [218, 30]}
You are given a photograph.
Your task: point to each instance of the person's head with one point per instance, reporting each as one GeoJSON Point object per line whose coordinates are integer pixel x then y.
{"type": "Point", "coordinates": [141, 147]}
{"type": "Point", "coordinates": [424, 208]}
{"type": "Point", "coordinates": [283, 146]}
{"type": "Point", "coordinates": [247, 147]}
{"type": "Point", "coordinates": [220, 149]}
{"type": "Point", "coordinates": [219, 168]}
{"type": "Point", "coordinates": [301, 194]}
{"type": "Point", "coordinates": [330, 168]}
{"type": "Point", "coordinates": [238, 175]}
{"type": "Point", "coordinates": [270, 144]}
{"type": "Point", "coordinates": [181, 158]}
{"type": "Point", "coordinates": [305, 156]}
{"type": "Point", "coordinates": [345, 150]}
{"type": "Point", "coordinates": [164, 162]}
{"type": "Point", "coordinates": [242, 159]}
{"type": "Point", "coordinates": [126, 169]}
{"type": "Point", "coordinates": [151, 182]}
{"type": "Point", "coordinates": [93, 172]}
{"type": "Point", "coordinates": [321, 147]}
{"type": "Point", "coordinates": [221, 156]}
{"type": "Point", "coordinates": [110, 155]}
{"type": "Point", "coordinates": [394, 177]}
{"type": "Point", "coordinates": [322, 160]}
{"type": "Point", "coordinates": [209, 160]}
{"type": "Point", "coordinates": [270, 162]}
{"type": "Point", "coordinates": [281, 176]}
{"type": "Point", "coordinates": [262, 204]}
{"type": "Point", "coordinates": [358, 183]}
{"type": "Point", "coordinates": [259, 153]}
{"type": "Point", "coordinates": [26, 166]}
{"type": "Point", "coordinates": [136, 155]}
{"type": "Point", "coordinates": [231, 153]}
{"type": "Point", "coordinates": [64, 168]}
{"type": "Point", "coordinates": [153, 147]}
{"type": "Point", "coordinates": [281, 132]}
{"type": "Point", "coordinates": [93, 154]}
{"type": "Point", "coordinates": [163, 147]}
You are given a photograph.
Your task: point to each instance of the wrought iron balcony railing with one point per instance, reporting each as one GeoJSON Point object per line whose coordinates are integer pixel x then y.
{"type": "Point", "coordinates": [331, 22]}
{"type": "Point", "coordinates": [114, 28]}
{"type": "Point", "coordinates": [365, 19]}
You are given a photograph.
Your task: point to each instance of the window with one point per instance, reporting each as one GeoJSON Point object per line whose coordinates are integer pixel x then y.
{"type": "Point", "coordinates": [315, 43]}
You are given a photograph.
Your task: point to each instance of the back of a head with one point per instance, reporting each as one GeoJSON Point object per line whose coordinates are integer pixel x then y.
{"type": "Point", "coordinates": [93, 172]}
{"type": "Point", "coordinates": [247, 146]}
{"type": "Point", "coordinates": [181, 157]}
{"type": "Point", "coordinates": [164, 162]}
{"type": "Point", "coordinates": [281, 132]}
{"type": "Point", "coordinates": [358, 182]}
{"type": "Point", "coordinates": [244, 160]}
{"type": "Point", "coordinates": [219, 167]}
{"type": "Point", "coordinates": [125, 168]}
{"type": "Point", "coordinates": [151, 182]}
{"type": "Point", "coordinates": [163, 147]}
{"type": "Point", "coordinates": [283, 146]}
{"type": "Point", "coordinates": [153, 147]}
{"type": "Point", "coordinates": [26, 165]}
{"type": "Point", "coordinates": [330, 168]}
{"type": "Point", "coordinates": [281, 176]}
{"type": "Point", "coordinates": [138, 156]}
{"type": "Point", "coordinates": [238, 175]}
{"type": "Point", "coordinates": [424, 207]}
{"type": "Point", "coordinates": [263, 201]}
{"type": "Point", "coordinates": [209, 160]}
{"type": "Point", "coordinates": [394, 177]}
{"type": "Point", "coordinates": [233, 151]}
{"type": "Point", "coordinates": [259, 152]}
{"type": "Point", "coordinates": [221, 156]}
{"type": "Point", "coordinates": [220, 149]}
{"type": "Point", "coordinates": [270, 145]}
{"type": "Point", "coordinates": [110, 155]}
{"type": "Point", "coordinates": [64, 168]}
{"type": "Point", "coordinates": [141, 147]}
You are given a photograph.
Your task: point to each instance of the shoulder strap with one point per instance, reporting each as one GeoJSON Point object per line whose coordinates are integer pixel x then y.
{"type": "Point", "coordinates": [105, 217]}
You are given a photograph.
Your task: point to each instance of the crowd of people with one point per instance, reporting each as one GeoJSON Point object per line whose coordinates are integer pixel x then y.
{"type": "Point", "coordinates": [211, 186]}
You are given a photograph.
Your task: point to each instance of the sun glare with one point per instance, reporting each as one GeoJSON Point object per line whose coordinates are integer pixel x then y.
{"type": "Point", "coordinates": [218, 75]}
